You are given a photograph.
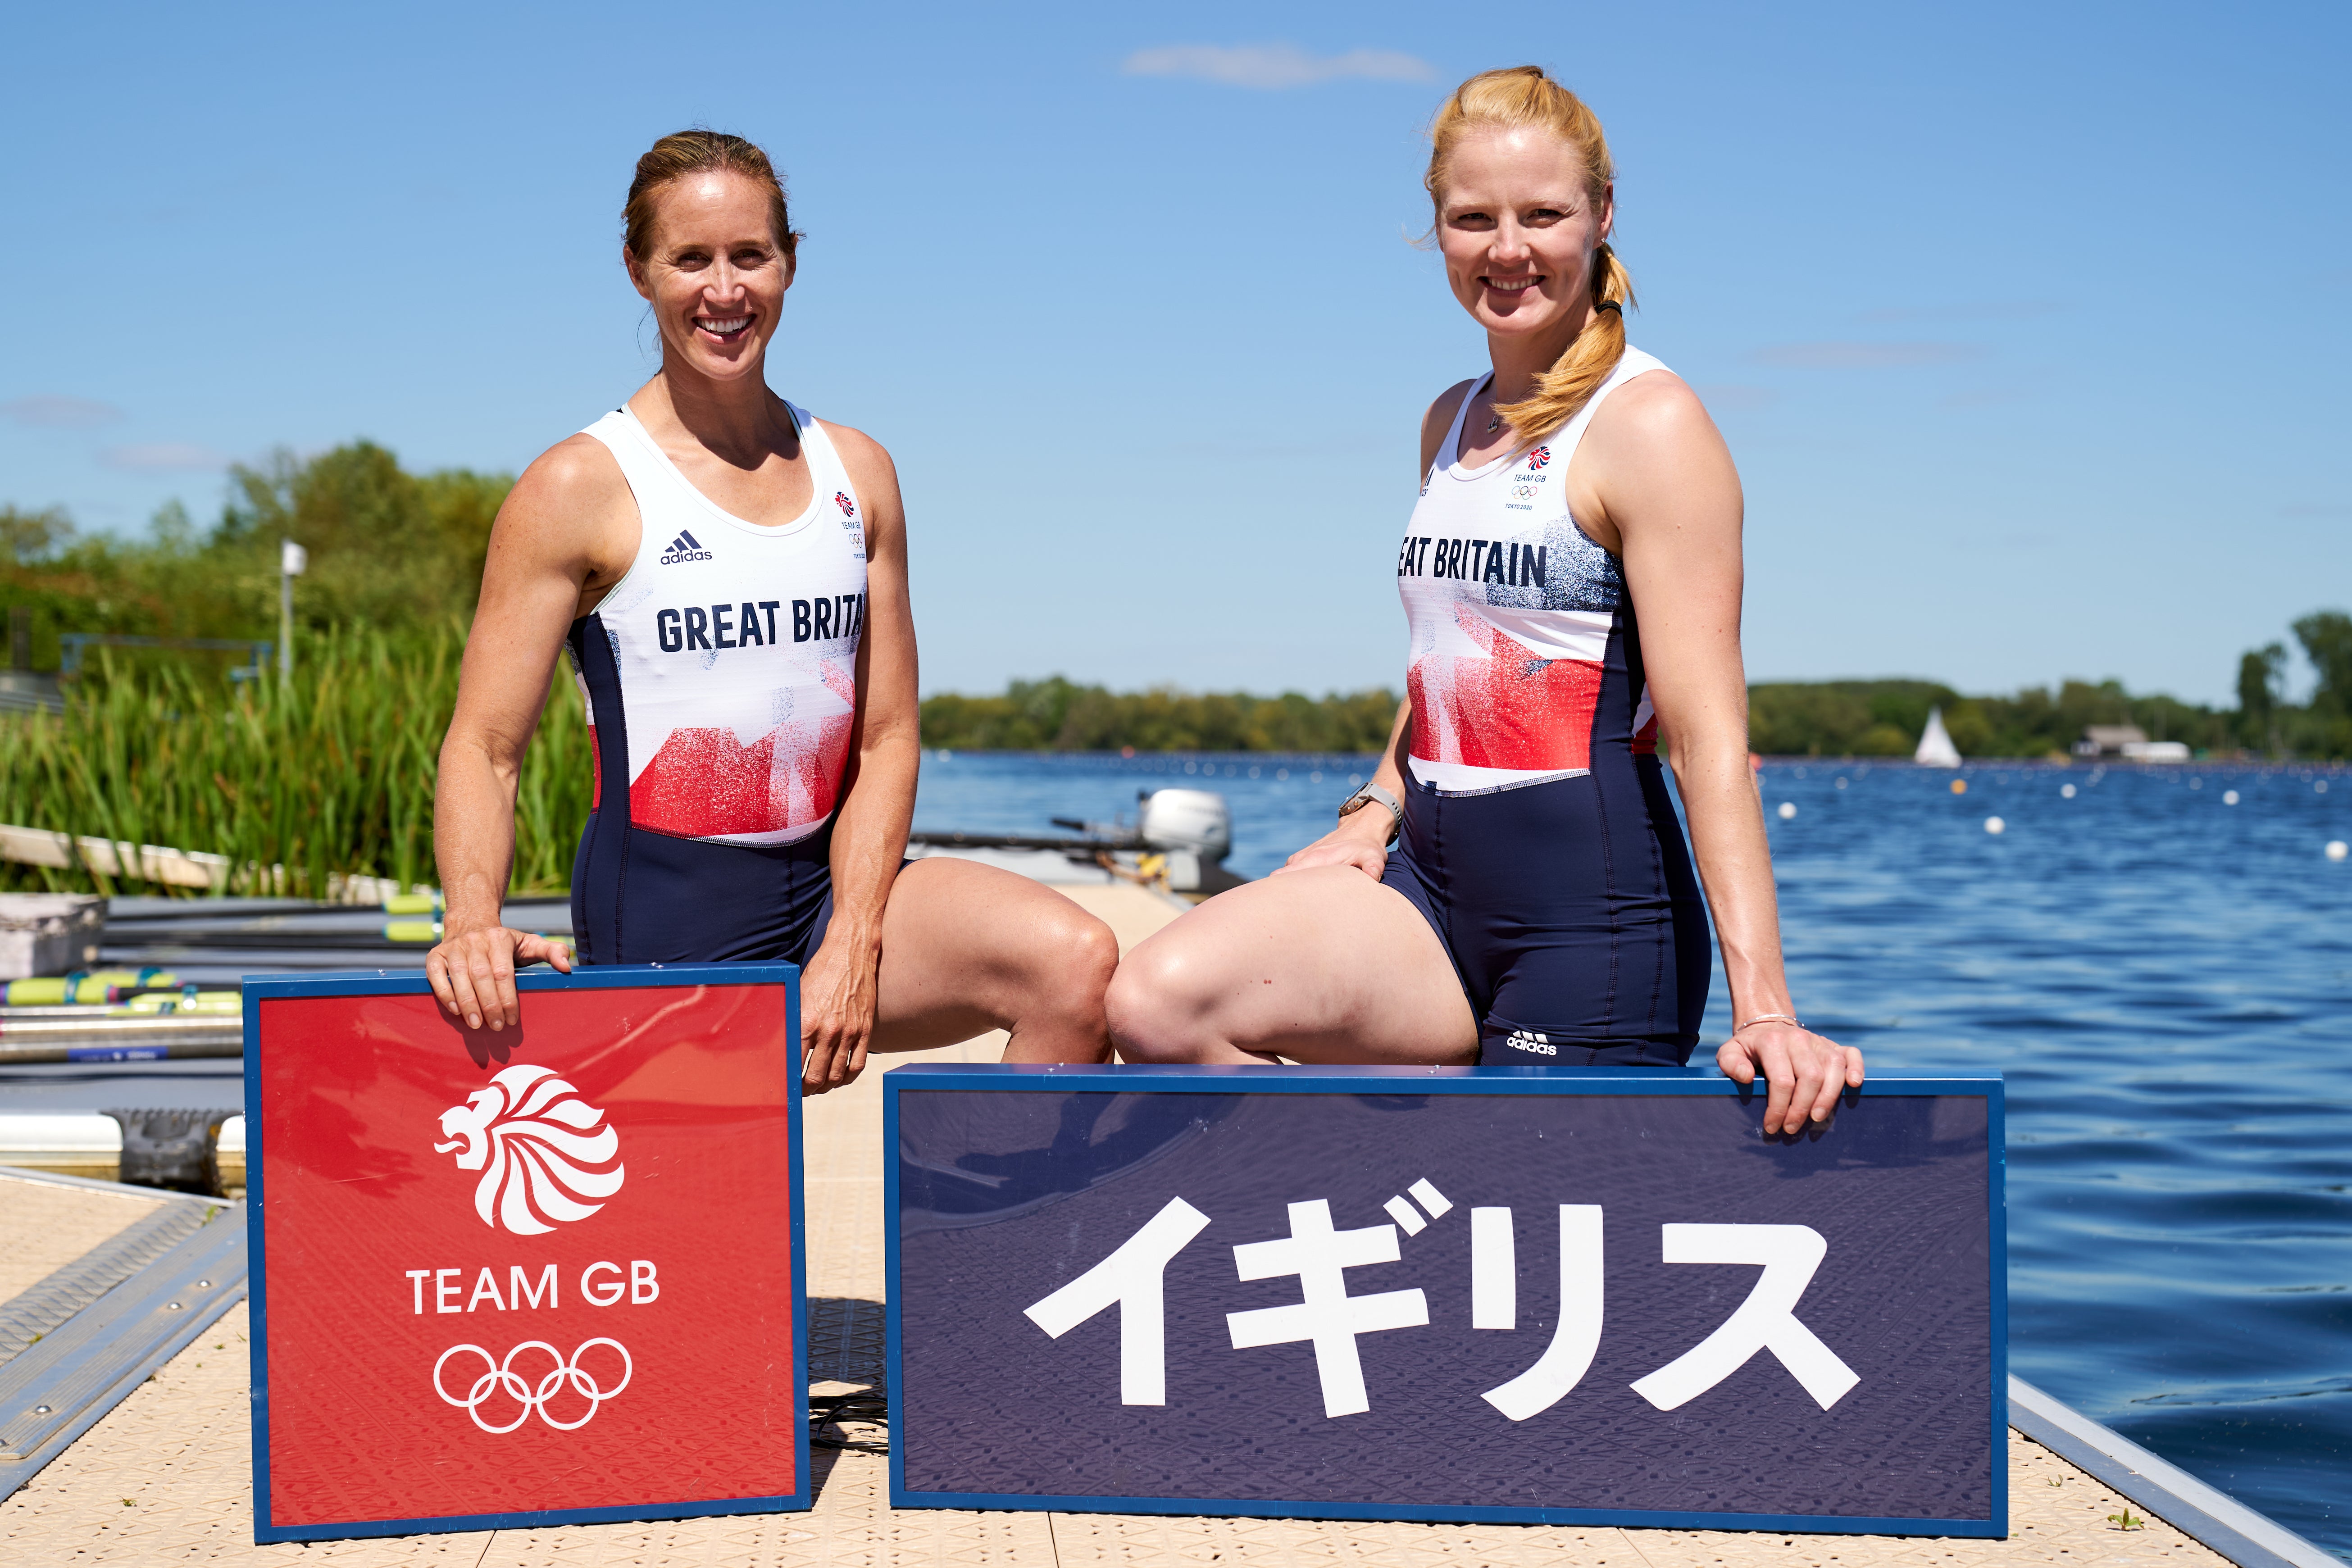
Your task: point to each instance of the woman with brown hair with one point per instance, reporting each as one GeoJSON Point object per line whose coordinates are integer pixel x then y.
{"type": "Point", "coordinates": [729, 576]}
{"type": "Point", "coordinates": [1571, 584]}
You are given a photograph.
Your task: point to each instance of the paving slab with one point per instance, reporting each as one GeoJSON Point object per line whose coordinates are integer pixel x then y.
{"type": "Point", "coordinates": [167, 1477]}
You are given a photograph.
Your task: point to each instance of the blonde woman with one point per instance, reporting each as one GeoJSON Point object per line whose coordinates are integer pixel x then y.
{"type": "Point", "coordinates": [1571, 584]}
{"type": "Point", "coordinates": [729, 575]}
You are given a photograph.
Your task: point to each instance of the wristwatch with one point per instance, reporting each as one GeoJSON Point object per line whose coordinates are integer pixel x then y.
{"type": "Point", "coordinates": [1365, 796]}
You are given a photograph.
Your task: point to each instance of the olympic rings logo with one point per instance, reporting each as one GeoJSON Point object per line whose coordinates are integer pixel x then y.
{"type": "Point", "coordinates": [501, 1376]}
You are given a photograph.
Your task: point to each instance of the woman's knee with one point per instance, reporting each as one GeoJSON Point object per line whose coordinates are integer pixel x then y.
{"type": "Point", "coordinates": [1154, 1005]}
{"type": "Point", "coordinates": [1076, 958]}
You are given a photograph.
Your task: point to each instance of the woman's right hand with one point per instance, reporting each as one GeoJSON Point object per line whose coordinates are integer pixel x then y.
{"type": "Point", "coordinates": [473, 972]}
{"type": "Point", "coordinates": [1360, 840]}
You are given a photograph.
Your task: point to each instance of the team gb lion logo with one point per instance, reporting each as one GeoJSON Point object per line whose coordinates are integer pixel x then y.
{"type": "Point", "coordinates": [540, 1149]}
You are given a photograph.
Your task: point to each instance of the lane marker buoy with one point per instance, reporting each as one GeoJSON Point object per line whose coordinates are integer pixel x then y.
{"type": "Point", "coordinates": [2336, 849]}
{"type": "Point", "coordinates": [1995, 825]}
{"type": "Point", "coordinates": [2229, 798]}
{"type": "Point", "coordinates": [2065, 792]}
{"type": "Point", "coordinates": [1787, 809]}
{"type": "Point", "coordinates": [1959, 786]}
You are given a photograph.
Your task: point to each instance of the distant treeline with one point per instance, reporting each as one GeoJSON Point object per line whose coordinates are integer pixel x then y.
{"type": "Point", "coordinates": [1826, 719]}
{"type": "Point", "coordinates": [1823, 718]}
{"type": "Point", "coordinates": [1057, 715]}
{"type": "Point", "coordinates": [1883, 718]}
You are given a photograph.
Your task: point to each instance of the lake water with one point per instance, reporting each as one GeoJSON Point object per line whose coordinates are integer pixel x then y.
{"type": "Point", "coordinates": [2163, 976]}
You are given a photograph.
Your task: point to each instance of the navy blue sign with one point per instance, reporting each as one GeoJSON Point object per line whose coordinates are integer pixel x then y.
{"type": "Point", "coordinates": [1513, 1294]}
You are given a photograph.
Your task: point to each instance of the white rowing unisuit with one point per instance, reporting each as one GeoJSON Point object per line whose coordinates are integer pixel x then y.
{"type": "Point", "coordinates": [1512, 612]}
{"type": "Point", "coordinates": [720, 671]}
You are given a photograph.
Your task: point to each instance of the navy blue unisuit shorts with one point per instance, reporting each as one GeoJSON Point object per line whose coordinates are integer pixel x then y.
{"type": "Point", "coordinates": [1571, 911]}
{"type": "Point", "coordinates": [649, 897]}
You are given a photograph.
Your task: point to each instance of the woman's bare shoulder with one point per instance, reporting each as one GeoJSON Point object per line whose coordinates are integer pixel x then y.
{"type": "Point", "coordinates": [1654, 408]}
{"type": "Point", "coordinates": [1439, 419]}
{"type": "Point", "coordinates": [1434, 423]}
{"type": "Point", "coordinates": [1652, 444]}
{"type": "Point", "coordinates": [576, 475]}
{"type": "Point", "coordinates": [868, 460]}
{"type": "Point", "coordinates": [571, 512]}
{"type": "Point", "coordinates": [855, 446]}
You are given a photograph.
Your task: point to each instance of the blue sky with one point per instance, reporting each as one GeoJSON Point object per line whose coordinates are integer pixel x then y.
{"type": "Point", "coordinates": [2027, 325]}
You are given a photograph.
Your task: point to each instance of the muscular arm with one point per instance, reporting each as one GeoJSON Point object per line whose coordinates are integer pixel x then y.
{"type": "Point", "coordinates": [1662, 488]}
{"type": "Point", "coordinates": [877, 799]}
{"type": "Point", "coordinates": [545, 549]}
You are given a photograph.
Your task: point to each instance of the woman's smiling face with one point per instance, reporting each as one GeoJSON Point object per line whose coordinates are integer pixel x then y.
{"type": "Point", "coordinates": [716, 277]}
{"type": "Point", "coordinates": [1518, 228]}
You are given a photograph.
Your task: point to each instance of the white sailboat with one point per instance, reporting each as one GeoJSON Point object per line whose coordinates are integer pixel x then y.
{"type": "Point", "coordinates": [1935, 748]}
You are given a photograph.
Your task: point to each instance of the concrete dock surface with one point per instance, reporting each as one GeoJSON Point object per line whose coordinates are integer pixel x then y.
{"type": "Point", "coordinates": [166, 1477]}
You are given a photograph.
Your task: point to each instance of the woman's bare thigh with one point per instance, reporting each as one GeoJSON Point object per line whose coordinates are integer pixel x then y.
{"type": "Point", "coordinates": [1319, 965]}
{"type": "Point", "coordinates": [967, 948]}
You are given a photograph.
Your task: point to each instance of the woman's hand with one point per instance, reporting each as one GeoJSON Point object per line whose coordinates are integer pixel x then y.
{"type": "Point", "coordinates": [1360, 840]}
{"type": "Point", "coordinates": [473, 972]}
{"type": "Point", "coordinates": [838, 990]}
{"type": "Point", "coordinates": [1806, 1073]}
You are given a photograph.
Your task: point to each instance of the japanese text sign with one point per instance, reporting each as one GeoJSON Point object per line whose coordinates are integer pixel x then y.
{"type": "Point", "coordinates": [1573, 1297]}
{"type": "Point", "coordinates": [550, 1274]}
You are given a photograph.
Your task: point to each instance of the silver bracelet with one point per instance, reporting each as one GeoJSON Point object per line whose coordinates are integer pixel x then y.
{"type": "Point", "coordinates": [1768, 1018]}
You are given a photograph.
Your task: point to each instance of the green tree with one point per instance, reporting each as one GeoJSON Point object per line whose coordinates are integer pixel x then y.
{"type": "Point", "coordinates": [2324, 728]}
{"type": "Point", "coordinates": [391, 552]}
{"type": "Point", "coordinates": [2260, 672]}
{"type": "Point", "coordinates": [29, 536]}
{"type": "Point", "coordinates": [2327, 639]}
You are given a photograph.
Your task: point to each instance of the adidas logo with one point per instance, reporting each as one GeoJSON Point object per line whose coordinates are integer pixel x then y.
{"type": "Point", "coordinates": [1528, 1040]}
{"type": "Point", "coordinates": [685, 547]}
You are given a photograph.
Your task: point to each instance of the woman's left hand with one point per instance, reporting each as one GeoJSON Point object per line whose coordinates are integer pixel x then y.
{"type": "Point", "coordinates": [838, 990]}
{"type": "Point", "coordinates": [1806, 1072]}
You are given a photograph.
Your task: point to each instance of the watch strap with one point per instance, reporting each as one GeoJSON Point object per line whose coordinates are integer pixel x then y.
{"type": "Point", "coordinates": [1372, 792]}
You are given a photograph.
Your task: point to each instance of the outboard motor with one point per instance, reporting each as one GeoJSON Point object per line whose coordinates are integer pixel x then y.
{"type": "Point", "coordinates": [1193, 828]}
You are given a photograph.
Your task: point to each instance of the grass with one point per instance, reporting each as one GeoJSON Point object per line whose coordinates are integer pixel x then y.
{"type": "Point", "coordinates": [330, 776]}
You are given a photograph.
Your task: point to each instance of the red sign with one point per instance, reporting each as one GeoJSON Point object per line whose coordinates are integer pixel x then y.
{"type": "Point", "coordinates": [552, 1272]}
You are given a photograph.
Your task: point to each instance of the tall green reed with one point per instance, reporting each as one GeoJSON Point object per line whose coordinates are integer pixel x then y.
{"type": "Point", "coordinates": [330, 777]}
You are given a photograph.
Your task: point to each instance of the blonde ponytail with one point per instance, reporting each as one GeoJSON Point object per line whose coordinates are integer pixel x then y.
{"type": "Point", "coordinates": [1524, 97]}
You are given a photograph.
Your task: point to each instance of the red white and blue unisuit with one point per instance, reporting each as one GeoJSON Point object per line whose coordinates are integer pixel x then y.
{"type": "Point", "coordinates": [720, 678]}
{"type": "Point", "coordinates": [1541, 839]}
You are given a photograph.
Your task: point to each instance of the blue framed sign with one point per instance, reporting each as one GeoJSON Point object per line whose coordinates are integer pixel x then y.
{"type": "Point", "coordinates": [549, 1275]}
{"type": "Point", "coordinates": [1594, 1297]}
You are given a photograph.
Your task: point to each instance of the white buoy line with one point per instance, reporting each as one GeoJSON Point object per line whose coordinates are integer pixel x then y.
{"type": "Point", "coordinates": [2334, 850]}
